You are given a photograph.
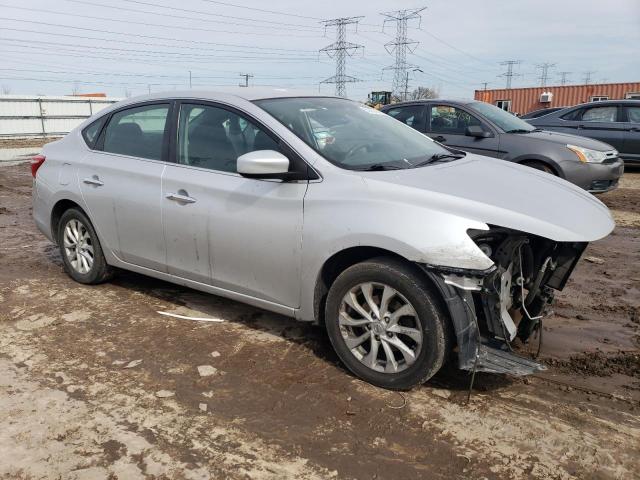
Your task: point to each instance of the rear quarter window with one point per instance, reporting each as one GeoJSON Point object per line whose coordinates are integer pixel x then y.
{"type": "Point", "coordinates": [91, 132]}
{"type": "Point", "coordinates": [572, 115]}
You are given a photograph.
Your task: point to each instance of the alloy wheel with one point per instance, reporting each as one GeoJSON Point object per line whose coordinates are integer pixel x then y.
{"type": "Point", "coordinates": [380, 327]}
{"type": "Point", "coordinates": [78, 246]}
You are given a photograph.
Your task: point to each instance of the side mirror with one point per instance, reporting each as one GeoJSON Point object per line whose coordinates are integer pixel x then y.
{"type": "Point", "coordinates": [477, 131]}
{"type": "Point", "coordinates": [263, 164]}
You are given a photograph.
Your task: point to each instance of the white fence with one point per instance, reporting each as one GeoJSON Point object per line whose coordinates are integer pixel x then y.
{"type": "Point", "coordinates": [28, 116]}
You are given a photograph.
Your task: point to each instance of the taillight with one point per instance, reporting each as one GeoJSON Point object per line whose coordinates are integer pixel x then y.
{"type": "Point", "coordinates": [36, 163]}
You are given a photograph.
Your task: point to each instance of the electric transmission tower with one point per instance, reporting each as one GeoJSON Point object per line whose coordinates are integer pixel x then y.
{"type": "Point", "coordinates": [509, 73]}
{"type": "Point", "coordinates": [587, 77]}
{"type": "Point", "coordinates": [339, 50]}
{"type": "Point", "coordinates": [563, 77]}
{"type": "Point", "coordinates": [400, 46]}
{"type": "Point", "coordinates": [544, 72]}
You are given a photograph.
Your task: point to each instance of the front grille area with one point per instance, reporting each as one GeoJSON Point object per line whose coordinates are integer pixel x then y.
{"type": "Point", "coordinates": [602, 184]}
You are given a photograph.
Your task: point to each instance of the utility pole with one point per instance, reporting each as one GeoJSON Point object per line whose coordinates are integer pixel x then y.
{"type": "Point", "coordinates": [190, 86]}
{"type": "Point", "coordinates": [563, 77]}
{"type": "Point", "coordinates": [484, 86]}
{"type": "Point", "coordinates": [400, 46]}
{"type": "Point", "coordinates": [587, 76]}
{"type": "Point", "coordinates": [339, 50]}
{"type": "Point", "coordinates": [544, 72]}
{"type": "Point", "coordinates": [406, 82]}
{"type": "Point", "coordinates": [246, 76]}
{"type": "Point", "coordinates": [509, 73]}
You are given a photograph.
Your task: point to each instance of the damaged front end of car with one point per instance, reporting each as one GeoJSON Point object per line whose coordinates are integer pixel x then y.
{"type": "Point", "coordinates": [491, 308]}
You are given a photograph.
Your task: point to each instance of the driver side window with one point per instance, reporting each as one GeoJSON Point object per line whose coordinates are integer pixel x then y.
{"type": "Point", "coordinates": [212, 137]}
{"type": "Point", "coordinates": [451, 120]}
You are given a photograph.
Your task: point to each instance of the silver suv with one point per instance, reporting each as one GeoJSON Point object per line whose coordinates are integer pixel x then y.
{"type": "Point", "coordinates": [324, 210]}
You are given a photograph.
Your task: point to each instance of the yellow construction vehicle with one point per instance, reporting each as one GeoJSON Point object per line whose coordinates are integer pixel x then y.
{"type": "Point", "coordinates": [378, 99]}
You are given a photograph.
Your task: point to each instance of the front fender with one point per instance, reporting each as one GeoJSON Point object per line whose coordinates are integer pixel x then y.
{"type": "Point", "coordinates": [413, 232]}
{"type": "Point", "coordinates": [542, 159]}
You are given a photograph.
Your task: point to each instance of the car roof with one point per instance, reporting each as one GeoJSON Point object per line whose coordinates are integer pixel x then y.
{"type": "Point", "coordinates": [609, 102]}
{"type": "Point", "coordinates": [246, 93]}
{"type": "Point", "coordinates": [457, 101]}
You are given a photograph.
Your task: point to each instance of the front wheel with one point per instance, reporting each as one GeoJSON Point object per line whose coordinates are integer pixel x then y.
{"type": "Point", "coordinates": [543, 167]}
{"type": "Point", "coordinates": [385, 323]}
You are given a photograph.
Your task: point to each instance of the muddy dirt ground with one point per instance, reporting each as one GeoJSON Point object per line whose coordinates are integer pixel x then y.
{"type": "Point", "coordinates": [95, 384]}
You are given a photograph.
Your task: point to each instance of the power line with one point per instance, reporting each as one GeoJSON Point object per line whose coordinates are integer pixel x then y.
{"type": "Point", "coordinates": [147, 52]}
{"type": "Point", "coordinates": [202, 12]}
{"type": "Point", "coordinates": [509, 73]}
{"type": "Point", "coordinates": [563, 77]}
{"type": "Point", "coordinates": [263, 10]}
{"type": "Point", "coordinates": [172, 15]}
{"type": "Point", "coordinates": [401, 45]}
{"type": "Point", "coordinates": [544, 72]}
{"type": "Point", "coordinates": [455, 48]}
{"type": "Point", "coordinates": [339, 50]}
{"type": "Point", "coordinates": [134, 35]}
{"type": "Point", "coordinates": [161, 25]}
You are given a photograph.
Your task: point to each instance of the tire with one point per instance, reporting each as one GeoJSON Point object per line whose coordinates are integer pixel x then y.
{"type": "Point", "coordinates": [93, 269]}
{"type": "Point", "coordinates": [411, 288]}
{"type": "Point", "coordinates": [540, 166]}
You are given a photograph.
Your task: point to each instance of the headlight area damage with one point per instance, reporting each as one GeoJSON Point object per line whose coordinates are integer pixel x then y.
{"type": "Point", "coordinates": [491, 308]}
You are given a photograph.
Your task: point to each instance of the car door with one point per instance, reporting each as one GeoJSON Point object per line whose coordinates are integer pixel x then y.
{"type": "Point", "coordinates": [120, 183]}
{"type": "Point", "coordinates": [412, 115]}
{"type": "Point", "coordinates": [236, 233]}
{"type": "Point", "coordinates": [601, 123]}
{"type": "Point", "coordinates": [447, 124]}
{"type": "Point", "coordinates": [631, 145]}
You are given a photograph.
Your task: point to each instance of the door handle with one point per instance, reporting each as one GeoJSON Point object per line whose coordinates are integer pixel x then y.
{"type": "Point", "coordinates": [95, 181]}
{"type": "Point", "coordinates": [580, 126]}
{"type": "Point", "coordinates": [440, 139]}
{"type": "Point", "coordinates": [180, 198]}
{"type": "Point", "coordinates": [634, 129]}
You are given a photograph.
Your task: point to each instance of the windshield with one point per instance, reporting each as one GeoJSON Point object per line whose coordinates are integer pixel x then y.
{"type": "Point", "coordinates": [505, 120]}
{"type": "Point", "coordinates": [352, 135]}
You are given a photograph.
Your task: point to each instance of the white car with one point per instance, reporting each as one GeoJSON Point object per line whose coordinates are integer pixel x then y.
{"type": "Point", "coordinates": [406, 251]}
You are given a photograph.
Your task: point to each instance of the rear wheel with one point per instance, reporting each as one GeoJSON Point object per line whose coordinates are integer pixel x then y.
{"type": "Point", "coordinates": [385, 323]}
{"type": "Point", "coordinates": [80, 249]}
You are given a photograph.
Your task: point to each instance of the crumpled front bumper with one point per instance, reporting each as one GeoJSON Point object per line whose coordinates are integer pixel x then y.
{"type": "Point", "coordinates": [475, 352]}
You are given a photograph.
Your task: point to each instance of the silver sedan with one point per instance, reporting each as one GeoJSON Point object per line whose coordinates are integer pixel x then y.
{"type": "Point", "coordinates": [324, 210]}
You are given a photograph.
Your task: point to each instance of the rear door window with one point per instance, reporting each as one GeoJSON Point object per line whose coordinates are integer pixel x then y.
{"type": "Point", "coordinates": [633, 114]}
{"type": "Point", "coordinates": [137, 132]}
{"type": "Point", "coordinates": [600, 114]}
{"type": "Point", "coordinates": [452, 120]}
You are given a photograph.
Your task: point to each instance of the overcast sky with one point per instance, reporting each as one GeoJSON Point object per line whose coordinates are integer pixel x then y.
{"type": "Point", "coordinates": [127, 47]}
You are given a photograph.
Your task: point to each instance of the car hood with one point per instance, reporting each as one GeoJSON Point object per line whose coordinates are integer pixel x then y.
{"type": "Point", "coordinates": [500, 193]}
{"type": "Point", "coordinates": [565, 138]}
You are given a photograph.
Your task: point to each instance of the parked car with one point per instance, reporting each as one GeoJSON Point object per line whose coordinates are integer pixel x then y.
{"type": "Point", "coordinates": [485, 129]}
{"type": "Point", "coordinates": [540, 113]}
{"type": "Point", "coordinates": [616, 122]}
{"type": "Point", "coordinates": [324, 210]}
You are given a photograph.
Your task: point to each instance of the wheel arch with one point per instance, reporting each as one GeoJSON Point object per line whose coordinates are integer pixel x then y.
{"type": "Point", "coordinates": [343, 259]}
{"type": "Point", "coordinates": [58, 210]}
{"type": "Point", "coordinates": [338, 263]}
{"type": "Point", "coordinates": [533, 158]}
